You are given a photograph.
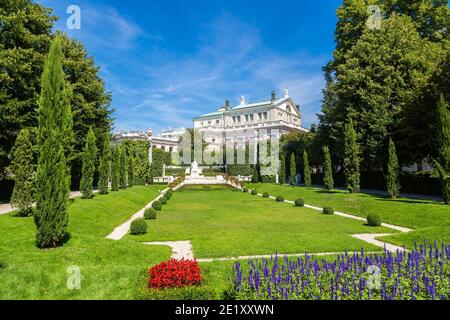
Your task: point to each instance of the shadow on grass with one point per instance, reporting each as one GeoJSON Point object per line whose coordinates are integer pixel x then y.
{"type": "Point", "coordinates": [328, 191]}
{"type": "Point", "coordinates": [410, 201]}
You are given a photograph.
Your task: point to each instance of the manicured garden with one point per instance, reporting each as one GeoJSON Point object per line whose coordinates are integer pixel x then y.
{"type": "Point", "coordinates": [218, 222]}
{"type": "Point", "coordinates": [429, 219]}
{"type": "Point", "coordinates": [109, 269]}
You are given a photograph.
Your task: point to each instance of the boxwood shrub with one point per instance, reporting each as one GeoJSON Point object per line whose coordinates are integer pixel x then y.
{"type": "Point", "coordinates": [138, 226]}
{"type": "Point", "coordinates": [266, 195]}
{"type": "Point", "coordinates": [149, 214]}
{"type": "Point", "coordinates": [327, 210]}
{"type": "Point", "coordinates": [244, 189]}
{"type": "Point", "coordinates": [157, 205]}
{"type": "Point", "coordinates": [299, 203]}
{"type": "Point", "coordinates": [374, 220]}
{"type": "Point", "coordinates": [163, 200]}
{"type": "Point", "coordinates": [280, 198]}
{"type": "Point", "coordinates": [254, 192]}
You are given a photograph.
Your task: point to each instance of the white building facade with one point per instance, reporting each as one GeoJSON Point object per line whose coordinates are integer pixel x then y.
{"type": "Point", "coordinates": [249, 121]}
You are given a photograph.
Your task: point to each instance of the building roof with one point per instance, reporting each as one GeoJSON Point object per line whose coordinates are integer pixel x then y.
{"type": "Point", "coordinates": [221, 110]}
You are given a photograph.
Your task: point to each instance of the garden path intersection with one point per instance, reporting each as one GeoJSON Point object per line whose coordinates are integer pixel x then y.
{"type": "Point", "coordinates": [184, 249]}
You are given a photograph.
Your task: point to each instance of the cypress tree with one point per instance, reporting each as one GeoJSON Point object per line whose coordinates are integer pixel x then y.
{"type": "Point", "coordinates": [392, 177]}
{"type": "Point", "coordinates": [328, 172]}
{"type": "Point", "coordinates": [255, 175]}
{"type": "Point", "coordinates": [307, 171]}
{"type": "Point", "coordinates": [88, 168]}
{"type": "Point", "coordinates": [115, 175]}
{"type": "Point", "coordinates": [105, 166]}
{"type": "Point", "coordinates": [54, 131]}
{"type": "Point", "coordinates": [123, 168]}
{"type": "Point", "coordinates": [23, 169]}
{"type": "Point", "coordinates": [442, 164]}
{"type": "Point", "coordinates": [282, 174]}
{"type": "Point", "coordinates": [130, 170]}
{"type": "Point", "coordinates": [292, 170]}
{"type": "Point", "coordinates": [351, 158]}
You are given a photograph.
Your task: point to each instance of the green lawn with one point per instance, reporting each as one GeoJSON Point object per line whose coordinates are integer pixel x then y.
{"type": "Point", "coordinates": [431, 219]}
{"type": "Point", "coordinates": [223, 223]}
{"type": "Point", "coordinates": [109, 268]}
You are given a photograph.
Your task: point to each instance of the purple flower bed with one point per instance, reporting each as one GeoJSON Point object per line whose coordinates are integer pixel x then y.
{"type": "Point", "coordinates": [422, 274]}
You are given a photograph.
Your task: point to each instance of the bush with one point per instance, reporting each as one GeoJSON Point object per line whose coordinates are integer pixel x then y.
{"type": "Point", "coordinates": [183, 293]}
{"type": "Point", "coordinates": [327, 210]}
{"type": "Point", "coordinates": [174, 274]}
{"type": "Point", "coordinates": [240, 170]}
{"type": "Point", "coordinates": [163, 200]}
{"type": "Point", "coordinates": [150, 214]}
{"type": "Point", "coordinates": [157, 205]}
{"type": "Point", "coordinates": [254, 192]}
{"type": "Point", "coordinates": [374, 220]}
{"type": "Point", "coordinates": [138, 181]}
{"type": "Point", "coordinates": [245, 190]}
{"type": "Point", "coordinates": [168, 194]}
{"type": "Point", "coordinates": [268, 179]}
{"type": "Point", "coordinates": [299, 203]}
{"type": "Point", "coordinates": [280, 198]}
{"type": "Point", "coordinates": [138, 226]}
{"type": "Point", "coordinates": [266, 195]}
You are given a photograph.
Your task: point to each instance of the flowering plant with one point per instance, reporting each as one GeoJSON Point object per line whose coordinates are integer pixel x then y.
{"type": "Point", "coordinates": [174, 274]}
{"type": "Point", "coordinates": [422, 274]}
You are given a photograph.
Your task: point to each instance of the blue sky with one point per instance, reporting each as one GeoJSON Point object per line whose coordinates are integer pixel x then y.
{"type": "Point", "coordinates": [168, 61]}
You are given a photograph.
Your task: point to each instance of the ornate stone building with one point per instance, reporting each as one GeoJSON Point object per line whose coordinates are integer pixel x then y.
{"type": "Point", "coordinates": [247, 121]}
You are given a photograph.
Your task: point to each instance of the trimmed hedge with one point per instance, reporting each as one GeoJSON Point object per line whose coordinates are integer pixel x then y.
{"type": "Point", "coordinates": [138, 226]}
{"type": "Point", "coordinates": [163, 200]}
{"type": "Point", "coordinates": [328, 210]}
{"type": "Point", "coordinates": [245, 190]}
{"type": "Point", "coordinates": [254, 192]}
{"type": "Point", "coordinates": [266, 195]}
{"type": "Point", "coordinates": [240, 170]}
{"type": "Point", "coordinates": [279, 198]}
{"type": "Point", "coordinates": [299, 203]}
{"type": "Point", "coordinates": [374, 220]}
{"type": "Point", "coordinates": [157, 205]}
{"type": "Point", "coordinates": [150, 214]}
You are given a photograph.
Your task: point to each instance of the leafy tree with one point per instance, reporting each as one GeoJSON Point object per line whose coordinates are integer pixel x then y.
{"type": "Point", "coordinates": [442, 164]}
{"type": "Point", "coordinates": [105, 166]}
{"type": "Point", "coordinates": [88, 170]}
{"type": "Point", "coordinates": [115, 174]}
{"type": "Point", "coordinates": [328, 171]}
{"type": "Point", "coordinates": [392, 178]}
{"type": "Point", "coordinates": [351, 158]}
{"type": "Point", "coordinates": [292, 169]}
{"type": "Point", "coordinates": [255, 175]}
{"type": "Point", "coordinates": [130, 167]}
{"type": "Point", "coordinates": [282, 173]}
{"type": "Point", "coordinates": [376, 76]}
{"type": "Point", "coordinates": [24, 171]}
{"type": "Point", "coordinates": [123, 167]}
{"type": "Point", "coordinates": [53, 177]}
{"type": "Point", "coordinates": [307, 171]}
{"type": "Point", "coordinates": [25, 36]}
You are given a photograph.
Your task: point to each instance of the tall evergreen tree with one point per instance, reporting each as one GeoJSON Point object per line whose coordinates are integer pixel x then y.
{"type": "Point", "coordinates": [282, 173]}
{"type": "Point", "coordinates": [328, 171]}
{"type": "Point", "coordinates": [88, 168]}
{"type": "Point", "coordinates": [130, 168]}
{"type": "Point", "coordinates": [115, 174]}
{"type": "Point", "coordinates": [307, 171]}
{"type": "Point", "coordinates": [292, 169]}
{"type": "Point", "coordinates": [123, 168]}
{"type": "Point", "coordinates": [443, 162]}
{"type": "Point", "coordinates": [351, 158]}
{"type": "Point", "coordinates": [24, 172]}
{"type": "Point", "coordinates": [55, 130]}
{"type": "Point", "coordinates": [392, 177]}
{"type": "Point", "coordinates": [105, 166]}
{"type": "Point", "coordinates": [255, 175]}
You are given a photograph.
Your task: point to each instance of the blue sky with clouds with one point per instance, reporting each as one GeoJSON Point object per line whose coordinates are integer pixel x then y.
{"type": "Point", "coordinates": [168, 61]}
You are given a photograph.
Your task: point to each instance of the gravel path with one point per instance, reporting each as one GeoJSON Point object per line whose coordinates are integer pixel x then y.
{"type": "Point", "coordinates": [6, 207]}
{"type": "Point", "coordinates": [180, 249]}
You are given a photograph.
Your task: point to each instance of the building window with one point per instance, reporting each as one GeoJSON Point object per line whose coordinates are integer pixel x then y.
{"type": "Point", "coordinates": [213, 140]}
{"type": "Point", "coordinates": [209, 122]}
{"type": "Point", "coordinates": [217, 121]}
{"type": "Point", "coordinates": [288, 109]}
{"type": "Point", "coordinates": [265, 115]}
{"type": "Point", "coordinates": [170, 149]}
{"type": "Point", "coordinates": [247, 117]}
{"type": "Point", "coordinates": [260, 116]}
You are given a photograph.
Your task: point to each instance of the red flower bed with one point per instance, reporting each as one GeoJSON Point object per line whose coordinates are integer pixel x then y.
{"type": "Point", "coordinates": [174, 274]}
